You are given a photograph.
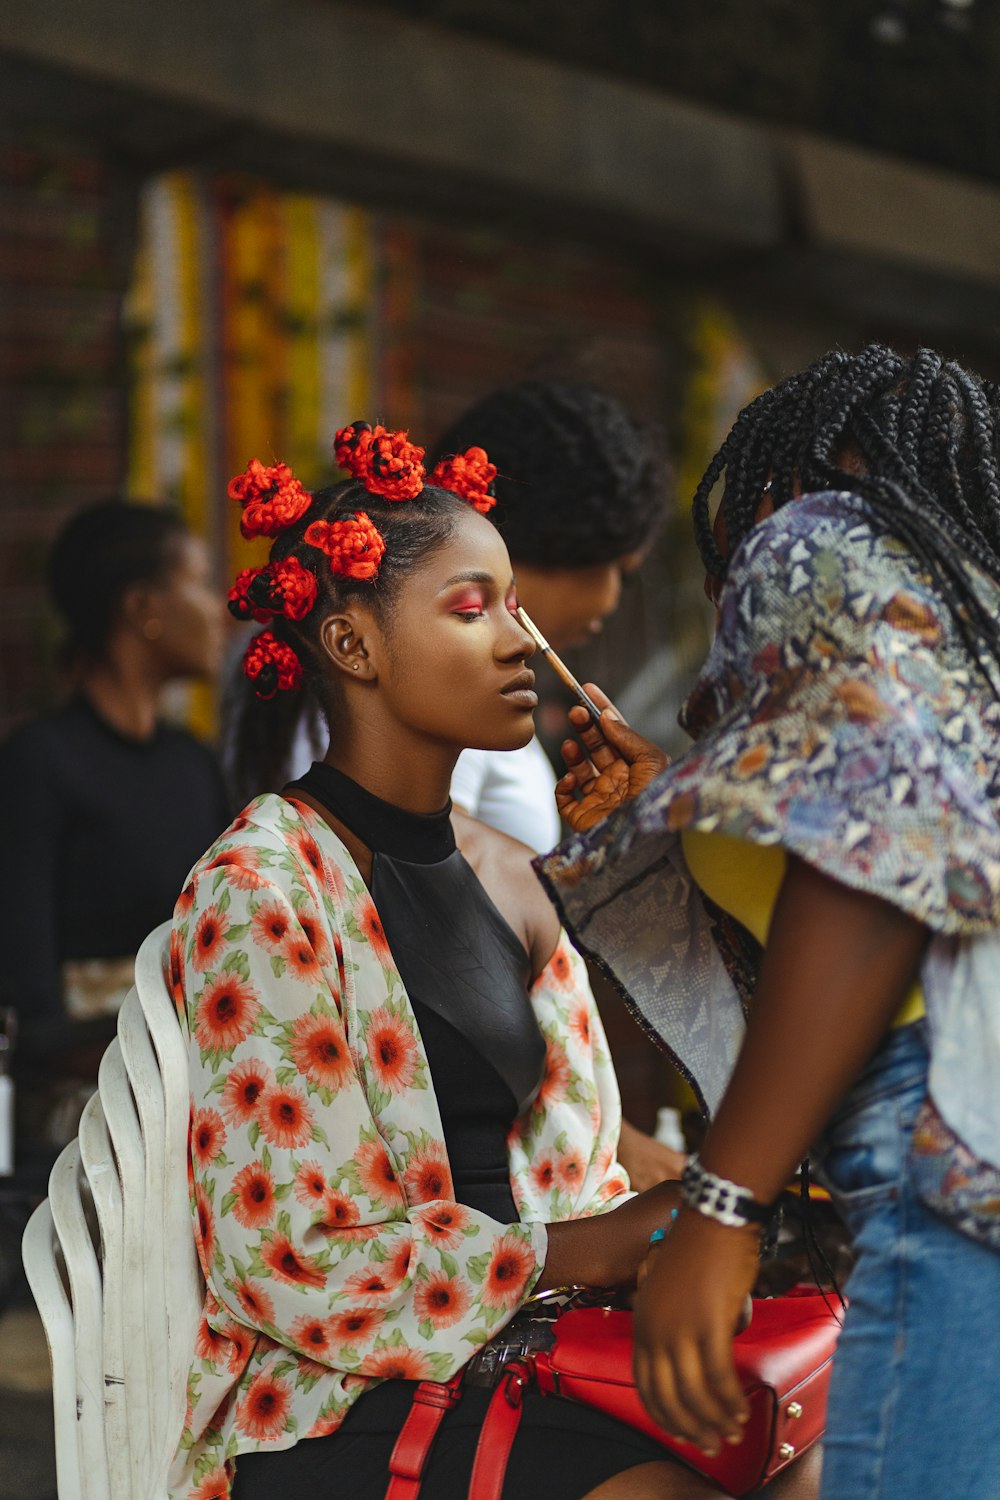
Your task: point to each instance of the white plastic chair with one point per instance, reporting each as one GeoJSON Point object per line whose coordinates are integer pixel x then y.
{"type": "Point", "coordinates": [111, 1260]}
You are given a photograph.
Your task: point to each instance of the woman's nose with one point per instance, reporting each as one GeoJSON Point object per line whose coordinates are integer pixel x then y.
{"type": "Point", "coordinates": [515, 641]}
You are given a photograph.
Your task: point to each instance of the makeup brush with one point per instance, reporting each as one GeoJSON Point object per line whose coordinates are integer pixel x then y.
{"type": "Point", "coordinates": [557, 664]}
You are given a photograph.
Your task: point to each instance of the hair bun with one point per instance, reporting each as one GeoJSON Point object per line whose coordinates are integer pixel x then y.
{"type": "Point", "coordinates": [272, 498]}
{"type": "Point", "coordinates": [272, 665]}
{"type": "Point", "coordinates": [385, 462]}
{"type": "Point", "coordinates": [354, 545]}
{"type": "Point", "coordinates": [470, 475]}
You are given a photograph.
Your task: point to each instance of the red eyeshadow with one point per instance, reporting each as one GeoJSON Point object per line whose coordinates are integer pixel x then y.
{"type": "Point", "coordinates": [466, 602]}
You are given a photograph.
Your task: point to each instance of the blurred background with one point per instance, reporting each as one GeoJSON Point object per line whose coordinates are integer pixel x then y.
{"type": "Point", "coordinates": [228, 228]}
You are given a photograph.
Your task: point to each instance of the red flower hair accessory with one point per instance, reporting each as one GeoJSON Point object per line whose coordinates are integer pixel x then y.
{"type": "Point", "coordinates": [292, 588]}
{"type": "Point", "coordinates": [387, 463]}
{"type": "Point", "coordinates": [469, 474]}
{"type": "Point", "coordinates": [355, 545]}
{"type": "Point", "coordinates": [239, 601]}
{"type": "Point", "coordinates": [280, 588]}
{"type": "Point", "coordinates": [272, 498]}
{"type": "Point", "coordinates": [272, 665]}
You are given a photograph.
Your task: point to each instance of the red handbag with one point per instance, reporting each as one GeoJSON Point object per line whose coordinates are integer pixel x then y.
{"type": "Point", "coordinates": [783, 1360]}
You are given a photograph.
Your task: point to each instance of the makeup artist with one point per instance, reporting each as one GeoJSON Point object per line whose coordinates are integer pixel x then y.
{"type": "Point", "coordinates": [840, 800]}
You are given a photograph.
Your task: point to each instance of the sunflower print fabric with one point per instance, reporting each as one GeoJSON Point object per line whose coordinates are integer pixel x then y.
{"type": "Point", "coordinates": [841, 715]}
{"type": "Point", "coordinates": [333, 1250]}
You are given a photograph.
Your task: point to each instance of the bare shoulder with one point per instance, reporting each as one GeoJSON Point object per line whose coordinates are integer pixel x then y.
{"type": "Point", "coordinates": [503, 865]}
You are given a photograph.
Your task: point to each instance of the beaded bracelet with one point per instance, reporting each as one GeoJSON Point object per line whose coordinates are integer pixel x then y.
{"type": "Point", "coordinates": [719, 1199]}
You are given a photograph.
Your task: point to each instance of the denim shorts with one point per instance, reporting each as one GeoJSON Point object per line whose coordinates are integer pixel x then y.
{"type": "Point", "coordinates": [914, 1409]}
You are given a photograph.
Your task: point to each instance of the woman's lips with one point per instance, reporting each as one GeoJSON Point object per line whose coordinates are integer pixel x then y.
{"type": "Point", "coordinates": [521, 691]}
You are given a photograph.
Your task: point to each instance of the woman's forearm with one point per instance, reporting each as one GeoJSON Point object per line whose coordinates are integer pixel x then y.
{"type": "Point", "coordinates": [607, 1249]}
{"type": "Point", "coordinates": [838, 964]}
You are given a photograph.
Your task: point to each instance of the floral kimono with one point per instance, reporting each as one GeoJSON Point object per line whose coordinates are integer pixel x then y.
{"type": "Point", "coordinates": [333, 1250]}
{"type": "Point", "coordinates": [841, 715]}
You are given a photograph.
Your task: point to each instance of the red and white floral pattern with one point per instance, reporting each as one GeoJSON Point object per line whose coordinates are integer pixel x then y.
{"type": "Point", "coordinates": [324, 1212]}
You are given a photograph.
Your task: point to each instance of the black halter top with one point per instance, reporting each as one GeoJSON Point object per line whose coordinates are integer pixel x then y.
{"type": "Point", "coordinates": [466, 974]}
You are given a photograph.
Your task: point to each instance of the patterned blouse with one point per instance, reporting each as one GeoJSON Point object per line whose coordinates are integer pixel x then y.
{"type": "Point", "coordinates": [333, 1250]}
{"type": "Point", "coordinates": [839, 715]}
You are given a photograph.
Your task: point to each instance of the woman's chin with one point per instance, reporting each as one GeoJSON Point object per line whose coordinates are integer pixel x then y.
{"type": "Point", "coordinates": [519, 733]}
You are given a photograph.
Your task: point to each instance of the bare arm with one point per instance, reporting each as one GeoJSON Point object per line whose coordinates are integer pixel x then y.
{"type": "Point", "coordinates": [837, 965]}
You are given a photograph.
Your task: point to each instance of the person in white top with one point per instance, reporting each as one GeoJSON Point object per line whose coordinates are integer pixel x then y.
{"type": "Point", "coordinates": [580, 493]}
{"type": "Point", "coordinates": [513, 792]}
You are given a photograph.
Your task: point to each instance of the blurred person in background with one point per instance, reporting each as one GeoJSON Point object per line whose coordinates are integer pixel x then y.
{"type": "Point", "coordinates": [581, 491]}
{"type": "Point", "coordinates": [104, 807]}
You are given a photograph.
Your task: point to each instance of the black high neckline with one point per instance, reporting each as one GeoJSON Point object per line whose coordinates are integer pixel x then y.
{"type": "Point", "coordinates": [419, 838]}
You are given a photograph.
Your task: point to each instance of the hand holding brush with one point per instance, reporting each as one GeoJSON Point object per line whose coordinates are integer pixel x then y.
{"type": "Point", "coordinates": [617, 763]}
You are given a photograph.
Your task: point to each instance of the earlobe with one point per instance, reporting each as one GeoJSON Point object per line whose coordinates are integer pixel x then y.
{"type": "Point", "coordinates": [137, 613]}
{"type": "Point", "coordinates": [344, 646]}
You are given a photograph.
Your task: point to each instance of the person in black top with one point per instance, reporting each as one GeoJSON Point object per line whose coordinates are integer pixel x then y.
{"type": "Point", "coordinates": [104, 808]}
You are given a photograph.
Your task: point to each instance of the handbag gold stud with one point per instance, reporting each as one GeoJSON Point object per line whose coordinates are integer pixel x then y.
{"type": "Point", "coordinates": [787, 1450]}
{"type": "Point", "coordinates": [793, 1409]}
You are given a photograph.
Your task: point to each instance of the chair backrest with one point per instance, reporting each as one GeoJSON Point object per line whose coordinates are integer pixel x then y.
{"type": "Point", "coordinates": [48, 1279]}
{"type": "Point", "coordinates": [71, 1205]}
{"type": "Point", "coordinates": [111, 1258]}
{"type": "Point", "coordinates": [105, 1188]}
{"type": "Point", "coordinates": [183, 1288]}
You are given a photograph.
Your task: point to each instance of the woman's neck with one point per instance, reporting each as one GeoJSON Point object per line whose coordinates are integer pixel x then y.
{"type": "Point", "coordinates": [127, 700]}
{"type": "Point", "coordinates": [415, 777]}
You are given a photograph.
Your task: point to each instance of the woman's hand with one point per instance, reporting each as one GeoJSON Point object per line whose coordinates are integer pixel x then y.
{"type": "Point", "coordinates": [692, 1300]}
{"type": "Point", "coordinates": [646, 1160]}
{"type": "Point", "coordinates": [607, 1249]}
{"type": "Point", "coordinates": [617, 766]}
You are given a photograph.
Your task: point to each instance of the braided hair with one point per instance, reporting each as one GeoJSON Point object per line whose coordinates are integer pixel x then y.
{"type": "Point", "coordinates": [578, 482]}
{"type": "Point", "coordinates": [264, 732]}
{"type": "Point", "coordinates": [927, 434]}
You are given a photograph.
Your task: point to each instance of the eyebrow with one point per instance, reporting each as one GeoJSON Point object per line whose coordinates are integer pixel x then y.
{"type": "Point", "coordinates": [474, 575]}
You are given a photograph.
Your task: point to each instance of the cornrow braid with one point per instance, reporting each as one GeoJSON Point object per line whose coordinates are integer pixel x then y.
{"type": "Point", "coordinates": [924, 434]}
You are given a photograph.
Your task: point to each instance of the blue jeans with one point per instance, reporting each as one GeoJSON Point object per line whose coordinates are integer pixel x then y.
{"type": "Point", "coordinates": [914, 1408]}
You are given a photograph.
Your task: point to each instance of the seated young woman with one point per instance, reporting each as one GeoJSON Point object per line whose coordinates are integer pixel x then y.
{"type": "Point", "coordinates": [404, 1115]}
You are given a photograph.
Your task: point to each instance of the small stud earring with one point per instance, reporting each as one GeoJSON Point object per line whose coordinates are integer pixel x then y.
{"type": "Point", "coordinates": [357, 666]}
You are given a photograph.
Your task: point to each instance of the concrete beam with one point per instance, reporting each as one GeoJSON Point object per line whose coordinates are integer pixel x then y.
{"type": "Point", "coordinates": [857, 201]}
{"type": "Point", "coordinates": [352, 81]}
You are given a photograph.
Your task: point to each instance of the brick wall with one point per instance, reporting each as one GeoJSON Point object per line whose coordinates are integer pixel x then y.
{"type": "Point", "coordinates": [62, 234]}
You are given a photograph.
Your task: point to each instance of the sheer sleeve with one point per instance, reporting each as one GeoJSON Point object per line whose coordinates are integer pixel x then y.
{"type": "Point", "coordinates": [563, 1150]}
{"type": "Point", "coordinates": [311, 1227]}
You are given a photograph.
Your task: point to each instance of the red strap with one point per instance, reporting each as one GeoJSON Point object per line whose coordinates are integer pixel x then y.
{"type": "Point", "coordinates": [503, 1417]}
{"type": "Point", "coordinates": [430, 1402]}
